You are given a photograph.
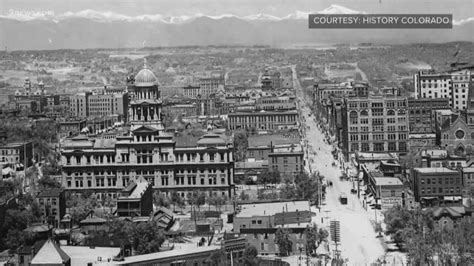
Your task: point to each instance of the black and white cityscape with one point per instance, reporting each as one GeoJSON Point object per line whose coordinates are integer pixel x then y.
{"type": "Point", "coordinates": [205, 132]}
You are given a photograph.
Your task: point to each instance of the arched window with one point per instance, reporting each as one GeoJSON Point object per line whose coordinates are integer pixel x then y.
{"type": "Point", "coordinates": [364, 113]}
{"type": "Point", "coordinates": [390, 112]}
{"type": "Point", "coordinates": [353, 114]}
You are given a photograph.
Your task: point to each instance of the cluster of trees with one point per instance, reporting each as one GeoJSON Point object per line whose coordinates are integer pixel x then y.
{"type": "Point", "coordinates": [15, 220]}
{"type": "Point", "coordinates": [304, 187]}
{"type": "Point", "coordinates": [314, 237]}
{"type": "Point", "coordinates": [429, 243]}
{"type": "Point", "coordinates": [197, 198]}
{"type": "Point", "coordinates": [143, 237]}
{"type": "Point", "coordinates": [241, 144]}
{"type": "Point", "coordinates": [41, 135]}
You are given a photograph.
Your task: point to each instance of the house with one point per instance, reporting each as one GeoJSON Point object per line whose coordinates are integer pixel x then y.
{"type": "Point", "coordinates": [135, 200]}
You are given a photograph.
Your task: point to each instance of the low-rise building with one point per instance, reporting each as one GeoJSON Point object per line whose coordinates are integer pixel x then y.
{"type": "Point", "coordinates": [135, 200]}
{"type": "Point", "coordinates": [258, 222]}
{"type": "Point", "coordinates": [16, 154]}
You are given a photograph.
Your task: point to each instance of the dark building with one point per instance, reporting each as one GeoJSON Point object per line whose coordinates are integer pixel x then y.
{"type": "Point", "coordinates": [421, 115]}
{"type": "Point", "coordinates": [52, 204]}
{"type": "Point", "coordinates": [136, 200]}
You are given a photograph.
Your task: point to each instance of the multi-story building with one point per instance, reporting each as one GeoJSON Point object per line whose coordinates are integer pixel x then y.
{"type": "Point", "coordinates": [210, 85]}
{"type": "Point", "coordinates": [461, 84]}
{"type": "Point", "coordinates": [191, 91]}
{"type": "Point", "coordinates": [275, 103]}
{"type": "Point", "coordinates": [429, 84]}
{"type": "Point", "coordinates": [16, 154]}
{"type": "Point", "coordinates": [422, 119]}
{"type": "Point", "coordinates": [436, 184]}
{"type": "Point", "coordinates": [375, 124]}
{"type": "Point", "coordinates": [136, 200]}
{"type": "Point", "coordinates": [287, 159]}
{"type": "Point", "coordinates": [271, 120]}
{"type": "Point", "coordinates": [72, 127]}
{"type": "Point", "coordinates": [78, 104]}
{"type": "Point", "coordinates": [258, 222]}
{"type": "Point", "coordinates": [324, 91]}
{"type": "Point", "coordinates": [100, 105]}
{"type": "Point", "coordinates": [52, 204]}
{"type": "Point", "coordinates": [454, 86]}
{"type": "Point", "coordinates": [106, 166]}
{"type": "Point", "coordinates": [104, 103]}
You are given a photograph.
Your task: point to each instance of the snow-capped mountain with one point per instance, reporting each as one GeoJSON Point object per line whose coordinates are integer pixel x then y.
{"type": "Point", "coordinates": [337, 9]}
{"type": "Point", "coordinates": [96, 29]}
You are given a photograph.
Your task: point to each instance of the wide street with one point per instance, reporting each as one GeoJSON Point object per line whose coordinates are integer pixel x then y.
{"type": "Point", "coordinates": [359, 243]}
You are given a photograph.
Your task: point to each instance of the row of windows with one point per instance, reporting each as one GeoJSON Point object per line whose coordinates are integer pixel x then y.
{"type": "Point", "coordinates": [378, 147]}
{"type": "Point", "coordinates": [439, 190]}
{"type": "Point", "coordinates": [434, 180]}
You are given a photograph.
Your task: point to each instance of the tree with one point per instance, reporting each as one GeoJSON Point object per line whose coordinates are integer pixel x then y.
{"type": "Point", "coordinates": [250, 256]}
{"type": "Point", "coordinates": [269, 177]}
{"type": "Point", "coordinates": [201, 200]}
{"type": "Point", "coordinates": [217, 258]}
{"type": "Point", "coordinates": [241, 144]}
{"type": "Point", "coordinates": [282, 239]}
{"type": "Point", "coordinates": [161, 199]}
{"type": "Point", "coordinates": [146, 237]}
{"type": "Point", "coordinates": [288, 190]}
{"type": "Point", "coordinates": [314, 238]}
{"type": "Point", "coordinates": [176, 199]}
{"type": "Point", "coordinates": [244, 196]}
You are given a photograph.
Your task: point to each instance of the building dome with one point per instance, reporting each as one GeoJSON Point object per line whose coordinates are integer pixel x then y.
{"type": "Point", "coordinates": [145, 78]}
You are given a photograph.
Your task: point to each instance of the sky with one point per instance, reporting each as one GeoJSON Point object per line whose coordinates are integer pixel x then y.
{"type": "Point", "coordinates": [461, 9]}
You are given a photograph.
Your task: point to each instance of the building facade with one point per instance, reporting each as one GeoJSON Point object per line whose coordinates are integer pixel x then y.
{"type": "Point", "coordinates": [136, 200]}
{"type": "Point", "coordinates": [375, 124]}
{"type": "Point", "coordinates": [52, 204]}
{"type": "Point", "coordinates": [436, 183]}
{"type": "Point", "coordinates": [422, 119]}
{"type": "Point", "coordinates": [107, 166]}
{"type": "Point", "coordinates": [271, 120]}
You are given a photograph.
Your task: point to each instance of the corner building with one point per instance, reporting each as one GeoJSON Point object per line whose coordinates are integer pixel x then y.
{"type": "Point", "coordinates": [106, 166]}
{"type": "Point", "coordinates": [375, 124]}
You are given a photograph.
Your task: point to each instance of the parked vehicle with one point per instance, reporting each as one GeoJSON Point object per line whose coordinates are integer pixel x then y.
{"type": "Point", "coordinates": [343, 198]}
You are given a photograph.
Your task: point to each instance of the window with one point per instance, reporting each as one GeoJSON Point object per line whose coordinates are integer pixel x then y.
{"type": "Point", "coordinates": [378, 147]}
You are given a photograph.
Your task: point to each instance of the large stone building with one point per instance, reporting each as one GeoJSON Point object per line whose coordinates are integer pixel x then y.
{"type": "Point", "coordinates": [375, 124]}
{"type": "Point", "coordinates": [106, 166]}
{"type": "Point", "coordinates": [100, 104]}
{"type": "Point", "coordinates": [454, 85]}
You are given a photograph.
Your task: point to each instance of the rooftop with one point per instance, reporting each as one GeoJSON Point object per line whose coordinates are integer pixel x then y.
{"type": "Point", "coordinates": [54, 192]}
{"type": "Point", "coordinates": [434, 170]}
{"type": "Point", "coordinates": [179, 250]}
{"type": "Point", "coordinates": [50, 254]}
{"type": "Point", "coordinates": [388, 181]}
{"type": "Point", "coordinates": [265, 140]}
{"type": "Point", "coordinates": [81, 255]}
{"type": "Point", "coordinates": [271, 208]}
{"type": "Point", "coordinates": [138, 190]}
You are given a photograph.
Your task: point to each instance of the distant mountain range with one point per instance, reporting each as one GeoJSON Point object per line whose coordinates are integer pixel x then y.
{"type": "Point", "coordinates": [93, 29]}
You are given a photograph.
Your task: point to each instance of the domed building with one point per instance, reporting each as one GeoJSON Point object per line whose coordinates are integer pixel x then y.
{"type": "Point", "coordinates": [145, 101]}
